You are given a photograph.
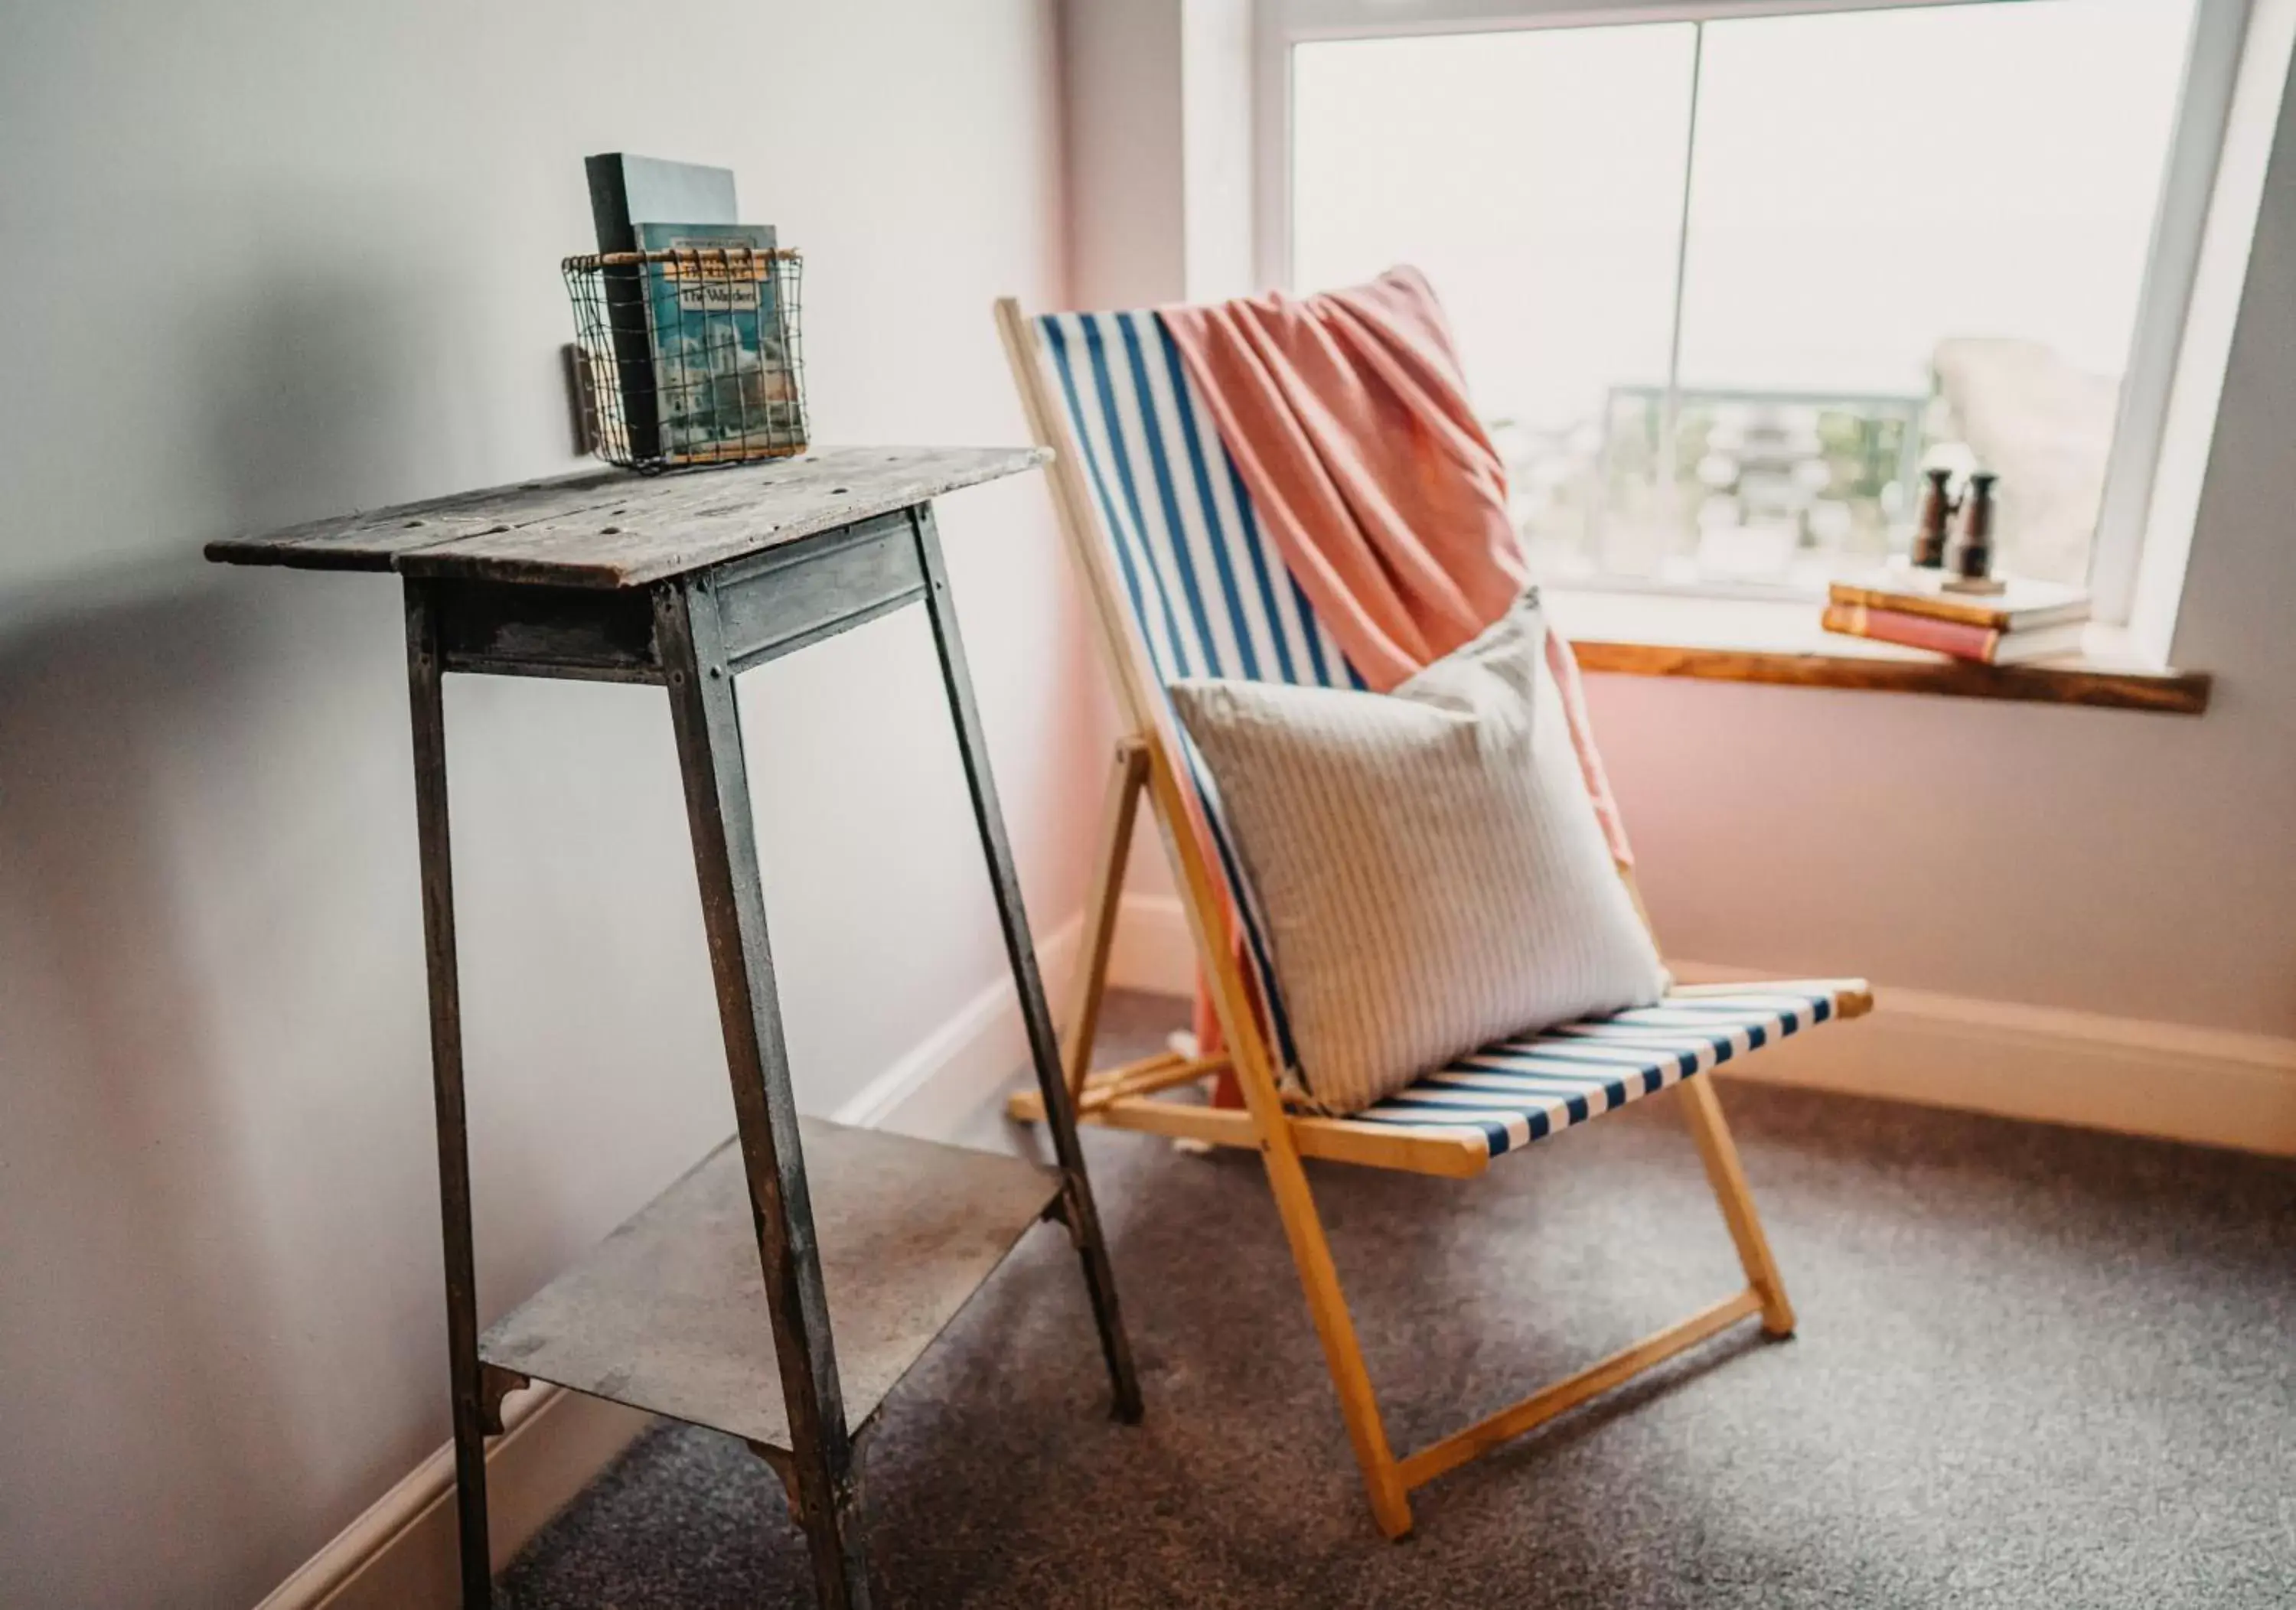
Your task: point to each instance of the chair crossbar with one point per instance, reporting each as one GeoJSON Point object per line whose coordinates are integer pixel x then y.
{"type": "Point", "coordinates": [1452, 1452]}
{"type": "Point", "coordinates": [1147, 1077]}
{"type": "Point", "coordinates": [1441, 1152]}
{"type": "Point", "coordinates": [1103, 1078]}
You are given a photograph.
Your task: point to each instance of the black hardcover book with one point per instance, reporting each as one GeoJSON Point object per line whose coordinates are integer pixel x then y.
{"type": "Point", "coordinates": [625, 191]}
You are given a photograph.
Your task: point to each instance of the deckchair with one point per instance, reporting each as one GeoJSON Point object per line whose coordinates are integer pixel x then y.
{"type": "Point", "coordinates": [1184, 583]}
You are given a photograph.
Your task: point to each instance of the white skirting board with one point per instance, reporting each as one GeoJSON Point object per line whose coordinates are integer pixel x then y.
{"type": "Point", "coordinates": [2172, 1081]}
{"type": "Point", "coordinates": [400, 1555]}
{"type": "Point", "coordinates": [968, 1060]}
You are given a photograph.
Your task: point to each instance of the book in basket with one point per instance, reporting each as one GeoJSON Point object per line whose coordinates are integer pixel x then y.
{"type": "Point", "coordinates": [625, 187]}
{"type": "Point", "coordinates": [723, 380]}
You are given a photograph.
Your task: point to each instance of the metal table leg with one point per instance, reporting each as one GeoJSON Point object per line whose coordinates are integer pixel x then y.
{"type": "Point", "coordinates": [1044, 1044]}
{"type": "Point", "coordinates": [688, 634]}
{"type": "Point", "coordinates": [424, 673]}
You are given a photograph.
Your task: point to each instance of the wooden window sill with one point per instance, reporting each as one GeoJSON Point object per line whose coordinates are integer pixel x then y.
{"type": "Point", "coordinates": [1733, 640]}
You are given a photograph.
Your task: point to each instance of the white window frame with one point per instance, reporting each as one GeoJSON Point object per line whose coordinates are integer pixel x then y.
{"type": "Point", "coordinates": [2188, 180]}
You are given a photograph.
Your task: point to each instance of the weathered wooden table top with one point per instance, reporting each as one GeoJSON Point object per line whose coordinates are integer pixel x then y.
{"type": "Point", "coordinates": [616, 529]}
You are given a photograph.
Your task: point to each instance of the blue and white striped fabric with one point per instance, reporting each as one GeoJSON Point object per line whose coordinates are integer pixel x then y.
{"type": "Point", "coordinates": [1210, 596]}
{"type": "Point", "coordinates": [1514, 1092]}
{"type": "Point", "coordinates": [1209, 593]}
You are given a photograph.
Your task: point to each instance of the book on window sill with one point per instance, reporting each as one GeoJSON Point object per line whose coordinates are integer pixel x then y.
{"type": "Point", "coordinates": [1987, 645]}
{"type": "Point", "coordinates": [2023, 606]}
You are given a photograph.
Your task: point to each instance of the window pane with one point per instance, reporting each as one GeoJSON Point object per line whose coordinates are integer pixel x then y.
{"type": "Point", "coordinates": [1944, 211]}
{"type": "Point", "coordinates": [1536, 177]}
{"type": "Point", "coordinates": [1915, 236]}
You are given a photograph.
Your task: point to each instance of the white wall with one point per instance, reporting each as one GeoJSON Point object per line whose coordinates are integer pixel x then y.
{"type": "Point", "coordinates": [268, 261]}
{"type": "Point", "coordinates": [1122, 88]}
{"type": "Point", "coordinates": [2133, 865]}
{"type": "Point", "coordinates": [1215, 46]}
{"type": "Point", "coordinates": [1159, 149]}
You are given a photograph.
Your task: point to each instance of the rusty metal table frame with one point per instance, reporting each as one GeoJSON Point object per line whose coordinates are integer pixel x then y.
{"type": "Point", "coordinates": [692, 629]}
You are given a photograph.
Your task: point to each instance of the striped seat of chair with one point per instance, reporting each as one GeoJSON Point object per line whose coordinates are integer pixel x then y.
{"type": "Point", "coordinates": [1513, 1092]}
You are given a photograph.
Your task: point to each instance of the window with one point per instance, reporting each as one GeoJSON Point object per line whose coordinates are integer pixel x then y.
{"type": "Point", "coordinates": [1725, 286]}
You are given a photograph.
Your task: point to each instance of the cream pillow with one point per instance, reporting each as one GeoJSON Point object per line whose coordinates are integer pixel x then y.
{"type": "Point", "coordinates": [1428, 866]}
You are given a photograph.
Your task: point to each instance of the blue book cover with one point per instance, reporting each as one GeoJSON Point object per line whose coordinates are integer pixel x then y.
{"type": "Point", "coordinates": [625, 187]}
{"type": "Point", "coordinates": [723, 381]}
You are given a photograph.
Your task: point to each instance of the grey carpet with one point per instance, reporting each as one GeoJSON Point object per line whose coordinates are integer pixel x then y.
{"type": "Point", "coordinates": [2037, 1366]}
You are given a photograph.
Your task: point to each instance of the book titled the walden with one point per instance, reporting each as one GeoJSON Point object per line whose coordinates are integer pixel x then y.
{"type": "Point", "coordinates": [723, 382]}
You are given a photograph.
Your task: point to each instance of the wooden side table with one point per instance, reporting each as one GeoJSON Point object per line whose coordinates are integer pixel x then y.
{"type": "Point", "coordinates": [685, 581]}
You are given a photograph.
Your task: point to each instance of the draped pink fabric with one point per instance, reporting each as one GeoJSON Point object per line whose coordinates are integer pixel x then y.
{"type": "Point", "coordinates": [1347, 416]}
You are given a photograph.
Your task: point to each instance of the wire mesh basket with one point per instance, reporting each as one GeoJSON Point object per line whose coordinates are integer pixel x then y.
{"type": "Point", "coordinates": [690, 356]}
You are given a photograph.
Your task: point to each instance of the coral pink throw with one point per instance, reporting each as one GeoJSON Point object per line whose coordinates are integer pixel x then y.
{"type": "Point", "coordinates": [1347, 416]}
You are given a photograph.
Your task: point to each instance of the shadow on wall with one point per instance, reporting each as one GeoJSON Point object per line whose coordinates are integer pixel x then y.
{"type": "Point", "coordinates": [209, 961]}
{"type": "Point", "coordinates": [124, 1187]}
{"type": "Point", "coordinates": [341, 384]}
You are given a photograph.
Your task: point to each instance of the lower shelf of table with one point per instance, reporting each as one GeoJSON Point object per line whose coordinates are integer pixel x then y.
{"type": "Point", "coordinates": [669, 1314]}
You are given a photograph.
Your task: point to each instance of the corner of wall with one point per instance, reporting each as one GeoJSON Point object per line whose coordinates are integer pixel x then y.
{"type": "Point", "coordinates": [2253, 137]}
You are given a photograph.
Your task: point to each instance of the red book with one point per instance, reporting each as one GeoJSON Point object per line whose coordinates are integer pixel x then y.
{"type": "Point", "coordinates": [1987, 645]}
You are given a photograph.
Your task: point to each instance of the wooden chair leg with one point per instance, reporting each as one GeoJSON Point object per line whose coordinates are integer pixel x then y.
{"type": "Point", "coordinates": [1287, 1180]}
{"type": "Point", "coordinates": [1118, 814]}
{"type": "Point", "coordinates": [1319, 1278]}
{"type": "Point", "coordinates": [1720, 1156]}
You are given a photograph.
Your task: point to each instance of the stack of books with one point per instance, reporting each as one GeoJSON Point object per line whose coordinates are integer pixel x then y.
{"type": "Point", "coordinates": [2025, 621]}
{"type": "Point", "coordinates": [700, 349]}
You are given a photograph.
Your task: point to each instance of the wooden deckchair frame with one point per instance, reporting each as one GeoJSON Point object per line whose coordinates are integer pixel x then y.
{"type": "Point", "coordinates": [1131, 1097]}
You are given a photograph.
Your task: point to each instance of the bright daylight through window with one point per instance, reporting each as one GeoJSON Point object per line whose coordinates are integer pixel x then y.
{"type": "Point", "coordinates": [1725, 288]}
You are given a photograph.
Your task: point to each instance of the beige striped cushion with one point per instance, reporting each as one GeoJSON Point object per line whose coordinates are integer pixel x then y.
{"type": "Point", "coordinates": [1428, 868]}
